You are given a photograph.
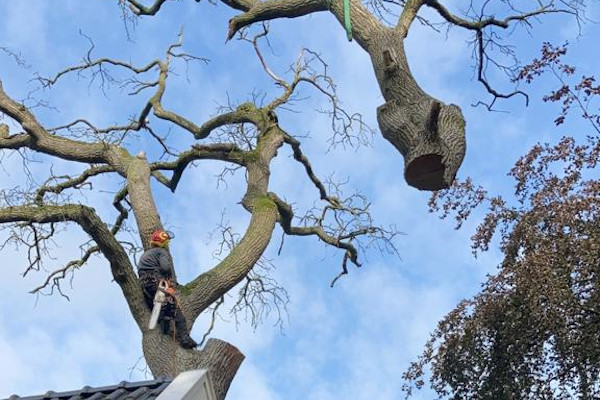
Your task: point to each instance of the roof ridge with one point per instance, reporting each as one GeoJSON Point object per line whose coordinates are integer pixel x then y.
{"type": "Point", "coordinates": [154, 388]}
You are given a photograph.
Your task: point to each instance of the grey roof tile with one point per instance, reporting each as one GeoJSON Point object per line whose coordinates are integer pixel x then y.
{"type": "Point", "coordinates": [147, 390]}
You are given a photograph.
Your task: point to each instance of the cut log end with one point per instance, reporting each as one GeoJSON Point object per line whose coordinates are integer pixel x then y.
{"type": "Point", "coordinates": [431, 138]}
{"type": "Point", "coordinates": [426, 173]}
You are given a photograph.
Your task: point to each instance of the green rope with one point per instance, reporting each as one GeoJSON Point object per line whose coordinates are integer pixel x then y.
{"type": "Point", "coordinates": [347, 21]}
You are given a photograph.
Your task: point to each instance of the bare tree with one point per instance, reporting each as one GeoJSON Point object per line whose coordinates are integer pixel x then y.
{"type": "Point", "coordinates": [244, 136]}
{"type": "Point", "coordinates": [534, 329]}
{"type": "Point", "coordinates": [428, 133]}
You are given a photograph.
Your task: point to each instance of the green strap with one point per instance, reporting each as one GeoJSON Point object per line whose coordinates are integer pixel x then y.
{"type": "Point", "coordinates": [347, 21]}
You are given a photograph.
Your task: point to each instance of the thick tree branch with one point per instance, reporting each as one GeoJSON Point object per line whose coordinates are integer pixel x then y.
{"type": "Point", "coordinates": [14, 142]}
{"type": "Point", "coordinates": [142, 201]}
{"type": "Point", "coordinates": [363, 22]}
{"type": "Point", "coordinates": [273, 9]}
{"type": "Point", "coordinates": [409, 13]}
{"type": "Point", "coordinates": [86, 217]}
{"type": "Point", "coordinates": [40, 140]}
{"type": "Point", "coordinates": [210, 286]}
{"type": "Point", "coordinates": [243, 113]}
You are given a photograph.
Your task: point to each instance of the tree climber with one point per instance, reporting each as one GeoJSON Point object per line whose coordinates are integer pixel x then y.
{"type": "Point", "coordinates": [155, 265]}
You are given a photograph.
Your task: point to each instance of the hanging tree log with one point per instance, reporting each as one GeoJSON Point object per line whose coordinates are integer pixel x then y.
{"type": "Point", "coordinates": [429, 134]}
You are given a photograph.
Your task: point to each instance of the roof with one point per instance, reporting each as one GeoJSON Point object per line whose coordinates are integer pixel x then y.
{"type": "Point", "coordinates": [147, 390]}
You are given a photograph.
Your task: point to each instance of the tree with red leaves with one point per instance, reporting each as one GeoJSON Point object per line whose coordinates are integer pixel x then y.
{"type": "Point", "coordinates": [533, 332]}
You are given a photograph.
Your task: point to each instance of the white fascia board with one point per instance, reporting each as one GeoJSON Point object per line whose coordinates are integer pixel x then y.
{"type": "Point", "coordinates": [190, 385]}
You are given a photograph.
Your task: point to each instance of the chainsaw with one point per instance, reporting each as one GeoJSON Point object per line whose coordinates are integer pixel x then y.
{"type": "Point", "coordinates": [160, 298]}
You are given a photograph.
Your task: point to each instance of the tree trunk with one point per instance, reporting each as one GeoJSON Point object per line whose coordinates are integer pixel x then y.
{"type": "Point", "coordinates": [142, 200]}
{"type": "Point", "coordinates": [429, 134]}
{"type": "Point", "coordinates": [165, 357]}
{"type": "Point", "coordinates": [144, 209]}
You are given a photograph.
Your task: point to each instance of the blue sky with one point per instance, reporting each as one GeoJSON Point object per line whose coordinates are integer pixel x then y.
{"type": "Point", "coordinates": [347, 342]}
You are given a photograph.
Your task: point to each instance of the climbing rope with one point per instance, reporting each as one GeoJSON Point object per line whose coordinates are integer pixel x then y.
{"type": "Point", "coordinates": [347, 21]}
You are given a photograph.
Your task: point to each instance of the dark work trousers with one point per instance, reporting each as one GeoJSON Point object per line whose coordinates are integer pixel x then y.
{"type": "Point", "coordinates": [150, 281]}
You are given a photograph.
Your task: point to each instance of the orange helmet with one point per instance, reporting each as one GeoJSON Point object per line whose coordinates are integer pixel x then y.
{"type": "Point", "coordinates": [161, 238]}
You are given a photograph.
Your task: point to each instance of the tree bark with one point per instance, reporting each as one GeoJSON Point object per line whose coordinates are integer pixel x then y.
{"type": "Point", "coordinates": [166, 358]}
{"type": "Point", "coordinates": [142, 200]}
{"type": "Point", "coordinates": [429, 134]}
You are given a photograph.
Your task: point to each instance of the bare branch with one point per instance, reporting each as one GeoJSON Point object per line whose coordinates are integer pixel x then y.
{"type": "Point", "coordinates": [86, 217]}
{"type": "Point", "coordinates": [482, 23]}
{"type": "Point", "coordinates": [123, 213]}
{"type": "Point", "coordinates": [58, 275]}
{"type": "Point", "coordinates": [343, 233]}
{"type": "Point", "coordinates": [481, 57]}
{"type": "Point", "coordinates": [301, 158]}
{"type": "Point", "coordinates": [260, 296]}
{"type": "Point", "coordinates": [220, 151]}
{"type": "Point", "coordinates": [139, 9]}
{"type": "Point", "coordinates": [154, 103]}
{"type": "Point", "coordinates": [348, 129]}
{"type": "Point", "coordinates": [344, 270]}
{"type": "Point", "coordinates": [97, 66]}
{"type": "Point", "coordinates": [277, 79]}
{"type": "Point", "coordinates": [35, 242]}
{"type": "Point", "coordinates": [17, 57]}
{"type": "Point", "coordinates": [70, 182]}
{"type": "Point", "coordinates": [478, 25]}
{"type": "Point", "coordinates": [214, 313]}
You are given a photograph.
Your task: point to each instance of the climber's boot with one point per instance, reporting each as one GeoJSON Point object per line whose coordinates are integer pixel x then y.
{"type": "Point", "coordinates": [182, 334]}
{"type": "Point", "coordinates": [187, 342]}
